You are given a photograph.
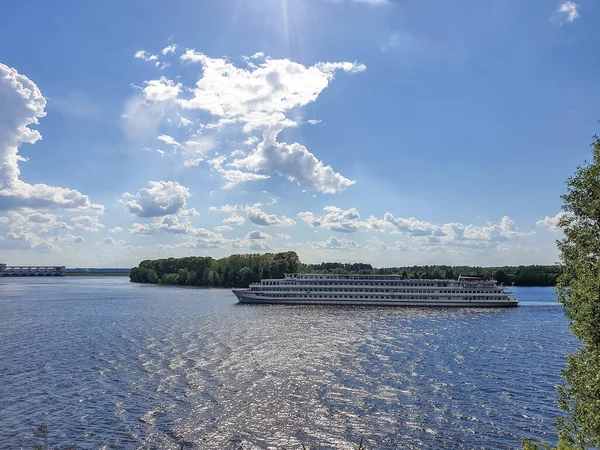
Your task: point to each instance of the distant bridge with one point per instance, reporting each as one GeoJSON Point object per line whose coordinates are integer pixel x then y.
{"type": "Point", "coordinates": [31, 271]}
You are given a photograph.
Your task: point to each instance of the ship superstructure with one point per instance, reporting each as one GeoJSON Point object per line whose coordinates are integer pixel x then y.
{"type": "Point", "coordinates": [380, 290]}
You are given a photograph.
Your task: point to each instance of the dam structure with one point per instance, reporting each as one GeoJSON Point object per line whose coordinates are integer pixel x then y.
{"type": "Point", "coordinates": [31, 271]}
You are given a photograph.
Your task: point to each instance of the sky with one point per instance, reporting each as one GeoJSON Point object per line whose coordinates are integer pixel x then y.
{"type": "Point", "coordinates": [391, 132]}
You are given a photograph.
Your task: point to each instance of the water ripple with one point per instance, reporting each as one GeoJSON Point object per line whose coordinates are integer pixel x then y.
{"type": "Point", "coordinates": [113, 365]}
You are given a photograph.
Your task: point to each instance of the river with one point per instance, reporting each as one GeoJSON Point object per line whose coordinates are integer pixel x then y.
{"type": "Point", "coordinates": [110, 364]}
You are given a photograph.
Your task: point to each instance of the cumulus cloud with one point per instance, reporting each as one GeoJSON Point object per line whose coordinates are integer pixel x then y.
{"type": "Point", "coordinates": [284, 236]}
{"type": "Point", "coordinates": [22, 106]}
{"type": "Point", "coordinates": [175, 225]}
{"type": "Point", "coordinates": [261, 218]}
{"type": "Point", "coordinates": [141, 228]}
{"type": "Point", "coordinates": [169, 49]}
{"type": "Point", "coordinates": [254, 214]}
{"type": "Point", "coordinates": [88, 223]}
{"type": "Point", "coordinates": [377, 244]}
{"type": "Point", "coordinates": [276, 86]}
{"type": "Point", "coordinates": [238, 208]}
{"type": "Point", "coordinates": [294, 162]}
{"type": "Point", "coordinates": [160, 199]}
{"type": "Point", "coordinates": [421, 232]}
{"type": "Point", "coordinates": [334, 243]}
{"type": "Point", "coordinates": [257, 234]}
{"type": "Point", "coordinates": [568, 10]}
{"type": "Point", "coordinates": [234, 219]}
{"type": "Point", "coordinates": [552, 223]}
{"type": "Point", "coordinates": [234, 177]}
{"type": "Point", "coordinates": [255, 98]}
{"type": "Point", "coordinates": [161, 90]}
{"type": "Point", "coordinates": [42, 232]}
{"type": "Point", "coordinates": [343, 221]}
{"type": "Point", "coordinates": [412, 226]}
{"type": "Point", "coordinates": [143, 54]}
{"type": "Point", "coordinates": [169, 140]}
{"type": "Point", "coordinates": [116, 229]}
{"type": "Point", "coordinates": [110, 241]}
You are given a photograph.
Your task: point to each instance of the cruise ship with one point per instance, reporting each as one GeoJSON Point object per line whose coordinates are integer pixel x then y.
{"type": "Point", "coordinates": [377, 290]}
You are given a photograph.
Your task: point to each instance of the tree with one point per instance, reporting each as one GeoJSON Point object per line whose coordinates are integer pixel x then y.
{"type": "Point", "coordinates": [578, 289]}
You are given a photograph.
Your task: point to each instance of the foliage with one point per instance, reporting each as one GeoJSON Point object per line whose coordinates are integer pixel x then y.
{"type": "Point", "coordinates": [241, 270]}
{"type": "Point", "coordinates": [519, 275]}
{"type": "Point", "coordinates": [233, 271]}
{"type": "Point", "coordinates": [579, 291]}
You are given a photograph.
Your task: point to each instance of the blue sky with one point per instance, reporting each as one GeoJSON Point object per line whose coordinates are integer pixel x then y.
{"type": "Point", "coordinates": [389, 132]}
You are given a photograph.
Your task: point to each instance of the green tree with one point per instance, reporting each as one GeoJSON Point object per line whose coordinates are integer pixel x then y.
{"type": "Point", "coordinates": [579, 291]}
{"type": "Point", "coordinates": [578, 288]}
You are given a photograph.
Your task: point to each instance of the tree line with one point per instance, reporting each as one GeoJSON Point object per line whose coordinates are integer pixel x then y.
{"type": "Point", "coordinates": [232, 271]}
{"type": "Point", "coordinates": [242, 270]}
{"type": "Point", "coordinates": [536, 275]}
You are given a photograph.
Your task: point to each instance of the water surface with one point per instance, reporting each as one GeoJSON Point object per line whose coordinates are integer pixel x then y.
{"type": "Point", "coordinates": [116, 365]}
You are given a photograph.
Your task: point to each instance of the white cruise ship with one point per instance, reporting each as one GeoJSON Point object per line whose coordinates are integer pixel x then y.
{"type": "Point", "coordinates": [378, 290]}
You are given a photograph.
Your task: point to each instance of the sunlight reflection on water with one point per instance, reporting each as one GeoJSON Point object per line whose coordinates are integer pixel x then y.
{"type": "Point", "coordinates": [106, 363]}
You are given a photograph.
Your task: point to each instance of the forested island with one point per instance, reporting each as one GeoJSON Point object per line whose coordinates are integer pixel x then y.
{"type": "Point", "coordinates": [241, 270]}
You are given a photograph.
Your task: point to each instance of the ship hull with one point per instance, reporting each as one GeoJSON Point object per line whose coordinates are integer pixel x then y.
{"type": "Point", "coordinates": [248, 297]}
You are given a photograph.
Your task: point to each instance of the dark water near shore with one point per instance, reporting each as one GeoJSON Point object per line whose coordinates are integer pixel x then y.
{"type": "Point", "coordinates": [115, 365]}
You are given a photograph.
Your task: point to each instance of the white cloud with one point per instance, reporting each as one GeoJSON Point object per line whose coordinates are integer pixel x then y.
{"type": "Point", "coordinates": [110, 241]}
{"type": "Point", "coordinates": [42, 232]}
{"type": "Point", "coordinates": [422, 233]}
{"type": "Point", "coordinates": [196, 149]}
{"type": "Point", "coordinates": [552, 222]}
{"type": "Point", "coordinates": [169, 49]}
{"type": "Point", "coordinates": [412, 226]}
{"type": "Point", "coordinates": [22, 106]}
{"type": "Point", "coordinates": [256, 97]}
{"type": "Point", "coordinates": [116, 229]}
{"type": "Point", "coordinates": [143, 54]}
{"type": "Point", "coordinates": [293, 161]}
{"type": "Point", "coordinates": [250, 142]}
{"type": "Point", "coordinates": [161, 199]}
{"type": "Point", "coordinates": [276, 86]}
{"type": "Point", "coordinates": [334, 243]}
{"type": "Point", "coordinates": [234, 177]}
{"type": "Point", "coordinates": [285, 237]}
{"type": "Point", "coordinates": [88, 223]}
{"type": "Point", "coordinates": [261, 218]}
{"type": "Point", "coordinates": [377, 244]}
{"type": "Point", "coordinates": [169, 140]}
{"type": "Point", "coordinates": [343, 221]}
{"type": "Point", "coordinates": [257, 234]}
{"type": "Point", "coordinates": [161, 90]}
{"type": "Point", "coordinates": [254, 214]}
{"type": "Point", "coordinates": [175, 225]}
{"type": "Point", "coordinates": [144, 112]}
{"type": "Point", "coordinates": [221, 228]}
{"type": "Point", "coordinates": [493, 232]}
{"type": "Point", "coordinates": [234, 208]}
{"type": "Point", "coordinates": [234, 219]}
{"type": "Point", "coordinates": [141, 228]}
{"type": "Point", "coordinates": [569, 10]}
